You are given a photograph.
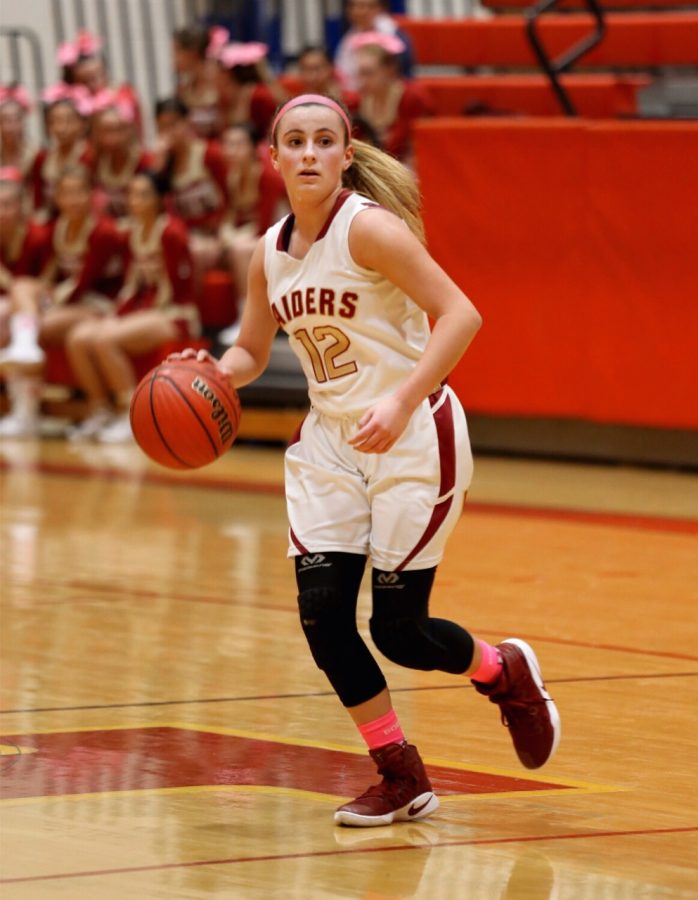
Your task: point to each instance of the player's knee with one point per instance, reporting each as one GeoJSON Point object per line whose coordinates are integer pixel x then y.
{"type": "Point", "coordinates": [319, 609]}
{"type": "Point", "coordinates": [403, 641]}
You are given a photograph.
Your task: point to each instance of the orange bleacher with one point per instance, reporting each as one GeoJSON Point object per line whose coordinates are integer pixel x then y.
{"type": "Point", "coordinates": [599, 96]}
{"type": "Point", "coordinates": [632, 39]}
{"type": "Point", "coordinates": [607, 5]}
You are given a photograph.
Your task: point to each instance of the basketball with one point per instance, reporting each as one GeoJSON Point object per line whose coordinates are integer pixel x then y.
{"type": "Point", "coordinates": [184, 414]}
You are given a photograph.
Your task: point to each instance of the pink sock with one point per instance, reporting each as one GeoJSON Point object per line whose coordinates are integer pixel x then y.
{"type": "Point", "coordinates": [490, 664]}
{"type": "Point", "coordinates": [381, 731]}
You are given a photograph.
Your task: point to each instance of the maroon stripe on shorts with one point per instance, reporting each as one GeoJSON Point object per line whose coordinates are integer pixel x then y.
{"type": "Point", "coordinates": [297, 543]}
{"type": "Point", "coordinates": [443, 419]}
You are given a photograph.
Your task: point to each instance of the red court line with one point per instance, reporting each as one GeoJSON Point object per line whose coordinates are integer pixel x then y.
{"type": "Point", "coordinates": [303, 695]}
{"type": "Point", "coordinates": [593, 645]}
{"type": "Point", "coordinates": [101, 588]}
{"type": "Point", "coordinates": [623, 520]}
{"type": "Point", "coordinates": [540, 838]}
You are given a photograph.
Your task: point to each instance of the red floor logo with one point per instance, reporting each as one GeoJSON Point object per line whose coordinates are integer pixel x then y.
{"type": "Point", "coordinates": [151, 758]}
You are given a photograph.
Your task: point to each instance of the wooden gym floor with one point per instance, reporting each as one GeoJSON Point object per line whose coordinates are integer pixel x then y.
{"type": "Point", "coordinates": [164, 733]}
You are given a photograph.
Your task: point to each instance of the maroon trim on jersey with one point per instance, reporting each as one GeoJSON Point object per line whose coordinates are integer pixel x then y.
{"type": "Point", "coordinates": [295, 540]}
{"type": "Point", "coordinates": [338, 204]}
{"type": "Point", "coordinates": [283, 241]}
{"type": "Point", "coordinates": [443, 419]}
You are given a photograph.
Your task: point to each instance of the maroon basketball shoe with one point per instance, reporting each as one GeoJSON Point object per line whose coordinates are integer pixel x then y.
{"type": "Point", "coordinates": [526, 707]}
{"type": "Point", "coordinates": [404, 794]}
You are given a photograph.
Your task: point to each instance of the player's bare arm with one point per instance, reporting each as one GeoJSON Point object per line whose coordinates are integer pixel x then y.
{"type": "Point", "coordinates": [248, 358]}
{"type": "Point", "coordinates": [378, 240]}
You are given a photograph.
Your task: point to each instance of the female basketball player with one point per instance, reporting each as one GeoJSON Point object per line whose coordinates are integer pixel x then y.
{"type": "Point", "coordinates": [382, 462]}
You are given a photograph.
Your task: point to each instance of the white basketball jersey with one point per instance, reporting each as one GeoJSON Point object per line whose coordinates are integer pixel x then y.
{"type": "Point", "coordinates": [356, 334]}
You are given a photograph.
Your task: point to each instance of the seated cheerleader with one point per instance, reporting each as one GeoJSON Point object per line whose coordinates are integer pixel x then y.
{"type": "Point", "coordinates": [390, 104]}
{"type": "Point", "coordinates": [257, 200]}
{"type": "Point", "coordinates": [22, 255]}
{"type": "Point", "coordinates": [84, 65]}
{"type": "Point", "coordinates": [315, 74]}
{"type": "Point", "coordinates": [16, 151]}
{"type": "Point", "coordinates": [193, 48]}
{"type": "Point", "coordinates": [154, 306]}
{"type": "Point", "coordinates": [81, 269]}
{"type": "Point", "coordinates": [198, 179]}
{"type": "Point", "coordinates": [67, 110]}
{"type": "Point", "coordinates": [248, 92]}
{"type": "Point", "coordinates": [118, 153]}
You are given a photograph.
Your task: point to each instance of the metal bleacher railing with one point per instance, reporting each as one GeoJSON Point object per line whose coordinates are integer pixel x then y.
{"type": "Point", "coordinates": [563, 63]}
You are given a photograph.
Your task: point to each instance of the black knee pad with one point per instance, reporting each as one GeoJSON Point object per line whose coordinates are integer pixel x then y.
{"type": "Point", "coordinates": [405, 642]}
{"type": "Point", "coordinates": [405, 633]}
{"type": "Point", "coordinates": [328, 591]}
{"type": "Point", "coordinates": [325, 621]}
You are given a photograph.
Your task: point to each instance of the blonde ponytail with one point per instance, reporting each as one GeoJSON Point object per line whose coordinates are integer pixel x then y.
{"type": "Point", "coordinates": [381, 178]}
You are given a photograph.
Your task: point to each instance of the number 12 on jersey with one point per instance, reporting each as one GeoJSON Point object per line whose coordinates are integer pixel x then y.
{"type": "Point", "coordinates": [324, 360]}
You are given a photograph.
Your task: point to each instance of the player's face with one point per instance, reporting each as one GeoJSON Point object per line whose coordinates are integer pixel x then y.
{"type": "Point", "coordinates": [311, 153]}
{"type": "Point", "coordinates": [64, 124]}
{"type": "Point", "coordinates": [237, 146]}
{"type": "Point", "coordinates": [184, 60]}
{"type": "Point", "coordinates": [73, 197]}
{"type": "Point", "coordinates": [315, 72]}
{"type": "Point", "coordinates": [371, 74]}
{"type": "Point", "coordinates": [111, 132]}
{"type": "Point", "coordinates": [11, 121]}
{"type": "Point", "coordinates": [173, 129]}
{"type": "Point", "coordinates": [10, 208]}
{"type": "Point", "coordinates": [362, 13]}
{"type": "Point", "coordinates": [91, 73]}
{"type": "Point", "coordinates": [142, 201]}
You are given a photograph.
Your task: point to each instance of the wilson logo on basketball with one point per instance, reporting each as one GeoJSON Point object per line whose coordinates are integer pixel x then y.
{"type": "Point", "coordinates": [219, 414]}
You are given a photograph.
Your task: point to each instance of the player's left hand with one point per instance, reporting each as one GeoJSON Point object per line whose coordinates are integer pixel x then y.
{"type": "Point", "coordinates": [381, 426]}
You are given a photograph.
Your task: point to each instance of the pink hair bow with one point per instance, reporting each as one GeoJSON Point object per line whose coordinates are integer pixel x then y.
{"type": "Point", "coordinates": [110, 99]}
{"type": "Point", "coordinates": [17, 94]}
{"type": "Point", "coordinates": [67, 54]}
{"type": "Point", "coordinates": [88, 44]}
{"type": "Point", "coordinates": [11, 173]}
{"type": "Point", "coordinates": [85, 44]}
{"type": "Point", "coordinates": [218, 38]}
{"type": "Point", "coordinates": [391, 43]}
{"type": "Point", "coordinates": [242, 54]}
{"type": "Point", "coordinates": [77, 95]}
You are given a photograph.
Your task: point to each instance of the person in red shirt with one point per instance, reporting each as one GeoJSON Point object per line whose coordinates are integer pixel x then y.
{"type": "Point", "coordinates": [389, 103]}
{"type": "Point", "coordinates": [155, 305]}
{"type": "Point", "coordinates": [83, 64]}
{"type": "Point", "coordinates": [80, 274]}
{"type": "Point", "coordinates": [195, 72]}
{"type": "Point", "coordinates": [248, 93]}
{"type": "Point", "coordinates": [15, 150]}
{"type": "Point", "coordinates": [118, 153]}
{"type": "Point", "coordinates": [22, 240]}
{"type": "Point", "coordinates": [67, 112]}
{"type": "Point", "coordinates": [23, 248]}
{"type": "Point", "coordinates": [257, 200]}
{"type": "Point", "coordinates": [315, 74]}
{"type": "Point", "coordinates": [198, 178]}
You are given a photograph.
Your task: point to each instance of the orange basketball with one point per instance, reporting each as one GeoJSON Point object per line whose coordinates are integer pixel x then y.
{"type": "Point", "coordinates": [184, 414]}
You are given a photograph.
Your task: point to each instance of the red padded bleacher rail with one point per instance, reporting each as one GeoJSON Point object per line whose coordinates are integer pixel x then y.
{"type": "Point", "coordinates": [596, 96]}
{"type": "Point", "coordinates": [606, 4]}
{"type": "Point", "coordinates": [576, 240]}
{"type": "Point", "coordinates": [632, 39]}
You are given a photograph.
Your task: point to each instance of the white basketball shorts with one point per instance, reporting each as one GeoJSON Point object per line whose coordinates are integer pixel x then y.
{"type": "Point", "coordinates": [398, 507]}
